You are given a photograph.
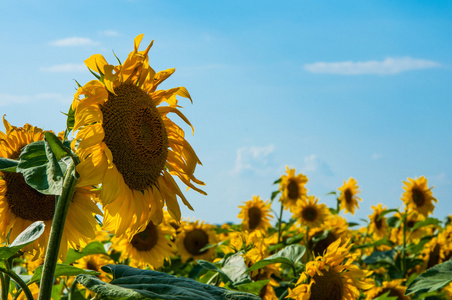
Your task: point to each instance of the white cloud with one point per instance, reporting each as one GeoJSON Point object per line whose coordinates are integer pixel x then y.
{"type": "Point", "coordinates": [314, 164]}
{"type": "Point", "coordinates": [388, 66]}
{"type": "Point", "coordinates": [73, 41]}
{"type": "Point", "coordinates": [376, 156]}
{"type": "Point", "coordinates": [65, 68]}
{"type": "Point", "coordinates": [8, 99]}
{"type": "Point", "coordinates": [252, 158]}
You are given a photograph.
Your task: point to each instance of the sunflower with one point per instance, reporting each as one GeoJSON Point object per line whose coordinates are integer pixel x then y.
{"type": "Point", "coordinates": [329, 277]}
{"type": "Point", "coordinates": [127, 143]}
{"type": "Point", "coordinates": [418, 196]}
{"type": "Point", "coordinates": [320, 238]}
{"type": "Point", "coordinates": [195, 236]}
{"type": "Point", "coordinates": [378, 226]}
{"type": "Point", "coordinates": [394, 287]}
{"type": "Point", "coordinates": [256, 214]}
{"type": "Point", "coordinates": [95, 262]}
{"type": "Point", "coordinates": [348, 199]}
{"type": "Point", "coordinates": [309, 213]}
{"type": "Point", "coordinates": [293, 188]}
{"type": "Point", "coordinates": [21, 205]}
{"type": "Point", "coordinates": [438, 249]}
{"type": "Point", "coordinates": [150, 247]}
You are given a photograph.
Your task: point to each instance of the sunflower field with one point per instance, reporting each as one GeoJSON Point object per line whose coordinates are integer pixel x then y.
{"type": "Point", "coordinates": [93, 213]}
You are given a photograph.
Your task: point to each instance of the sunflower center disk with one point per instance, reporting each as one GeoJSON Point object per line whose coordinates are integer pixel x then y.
{"type": "Point", "coordinates": [392, 293]}
{"type": "Point", "coordinates": [418, 197]}
{"type": "Point", "coordinates": [293, 190]}
{"type": "Point", "coordinates": [378, 222]}
{"type": "Point", "coordinates": [195, 240]}
{"type": "Point", "coordinates": [255, 217]}
{"type": "Point", "coordinates": [309, 214]}
{"type": "Point", "coordinates": [327, 287]}
{"type": "Point", "coordinates": [136, 136]}
{"type": "Point", "coordinates": [147, 239]}
{"type": "Point", "coordinates": [348, 196]}
{"type": "Point", "coordinates": [25, 202]}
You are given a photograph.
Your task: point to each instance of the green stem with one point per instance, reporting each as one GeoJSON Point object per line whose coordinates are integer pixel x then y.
{"type": "Point", "coordinates": [8, 264]}
{"type": "Point", "coordinates": [404, 217]}
{"type": "Point", "coordinates": [337, 206]}
{"type": "Point", "coordinates": [56, 233]}
{"type": "Point", "coordinates": [19, 281]}
{"type": "Point", "coordinates": [279, 221]}
{"type": "Point", "coordinates": [4, 289]}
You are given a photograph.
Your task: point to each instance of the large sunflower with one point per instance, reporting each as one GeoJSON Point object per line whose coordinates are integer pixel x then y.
{"type": "Point", "coordinates": [21, 205]}
{"type": "Point", "coordinates": [192, 240]}
{"type": "Point", "coordinates": [418, 196]}
{"type": "Point", "coordinates": [293, 188]}
{"type": "Point", "coordinates": [309, 213]}
{"type": "Point", "coordinates": [332, 276]}
{"type": "Point", "coordinates": [127, 143]}
{"type": "Point", "coordinates": [256, 214]}
{"type": "Point", "coordinates": [348, 199]}
{"type": "Point", "coordinates": [150, 247]}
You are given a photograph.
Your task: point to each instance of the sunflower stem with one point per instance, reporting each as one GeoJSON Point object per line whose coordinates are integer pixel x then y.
{"type": "Point", "coordinates": [56, 233]}
{"type": "Point", "coordinates": [279, 221]}
{"type": "Point", "coordinates": [18, 280]}
{"type": "Point", "coordinates": [404, 217]}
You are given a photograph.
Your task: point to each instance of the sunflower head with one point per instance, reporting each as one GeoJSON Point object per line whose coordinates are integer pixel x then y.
{"type": "Point", "coordinates": [348, 198]}
{"type": "Point", "coordinates": [127, 143]}
{"type": "Point", "coordinates": [418, 196]}
{"type": "Point", "coordinates": [256, 214]}
{"type": "Point", "coordinates": [320, 238]}
{"type": "Point", "coordinates": [309, 213]}
{"type": "Point", "coordinates": [193, 239]}
{"type": "Point", "coordinates": [332, 276]}
{"type": "Point", "coordinates": [378, 225]}
{"type": "Point", "coordinates": [394, 287]}
{"type": "Point", "coordinates": [293, 188]}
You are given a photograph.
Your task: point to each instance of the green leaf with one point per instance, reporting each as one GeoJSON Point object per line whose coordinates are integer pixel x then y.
{"type": "Point", "coordinates": [28, 236]}
{"type": "Point", "coordinates": [8, 164]}
{"type": "Point", "coordinates": [235, 268]}
{"type": "Point", "coordinates": [211, 267]}
{"type": "Point", "coordinates": [426, 222]}
{"type": "Point", "coordinates": [274, 194]}
{"type": "Point", "coordinates": [57, 147]}
{"type": "Point", "coordinates": [393, 222]}
{"type": "Point", "coordinates": [386, 296]}
{"type": "Point", "coordinates": [40, 168]}
{"type": "Point", "coordinates": [95, 247]}
{"type": "Point", "coordinates": [385, 212]}
{"type": "Point", "coordinates": [352, 224]}
{"type": "Point", "coordinates": [433, 279]}
{"type": "Point", "coordinates": [132, 283]}
{"type": "Point", "coordinates": [381, 257]}
{"type": "Point", "coordinates": [290, 255]}
{"type": "Point", "coordinates": [253, 287]}
{"type": "Point", "coordinates": [62, 270]}
{"type": "Point", "coordinates": [277, 181]}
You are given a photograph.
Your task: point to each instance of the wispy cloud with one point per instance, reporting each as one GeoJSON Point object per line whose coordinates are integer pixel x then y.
{"type": "Point", "coordinates": [73, 41]}
{"type": "Point", "coordinates": [8, 99]}
{"type": "Point", "coordinates": [376, 156]}
{"type": "Point", "coordinates": [313, 163]}
{"type": "Point", "coordinates": [65, 68]}
{"type": "Point", "coordinates": [253, 158]}
{"type": "Point", "coordinates": [109, 33]}
{"type": "Point", "coordinates": [385, 67]}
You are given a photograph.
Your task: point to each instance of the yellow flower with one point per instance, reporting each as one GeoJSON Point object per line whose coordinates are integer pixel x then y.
{"type": "Point", "coordinates": [418, 196]}
{"type": "Point", "coordinates": [378, 225]}
{"type": "Point", "coordinates": [293, 188]}
{"type": "Point", "coordinates": [394, 288]}
{"type": "Point", "coordinates": [348, 198]}
{"type": "Point", "coordinates": [332, 276]}
{"type": "Point", "coordinates": [95, 262]}
{"type": "Point", "coordinates": [21, 205]}
{"type": "Point", "coordinates": [195, 236]}
{"type": "Point", "coordinates": [256, 214]}
{"type": "Point", "coordinates": [309, 213]}
{"type": "Point", "coordinates": [150, 247]}
{"type": "Point", "coordinates": [333, 228]}
{"type": "Point", "coordinates": [127, 143]}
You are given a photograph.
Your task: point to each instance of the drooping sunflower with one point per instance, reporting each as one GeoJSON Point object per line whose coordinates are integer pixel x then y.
{"type": "Point", "coordinates": [394, 287]}
{"type": "Point", "coordinates": [21, 205]}
{"type": "Point", "coordinates": [147, 248]}
{"type": "Point", "coordinates": [418, 196]}
{"type": "Point", "coordinates": [309, 213]}
{"type": "Point", "coordinates": [332, 276]}
{"type": "Point", "coordinates": [348, 198]}
{"type": "Point", "coordinates": [293, 188]}
{"type": "Point", "coordinates": [256, 214]}
{"type": "Point", "coordinates": [127, 143]}
{"type": "Point", "coordinates": [378, 226]}
{"type": "Point", "coordinates": [195, 236]}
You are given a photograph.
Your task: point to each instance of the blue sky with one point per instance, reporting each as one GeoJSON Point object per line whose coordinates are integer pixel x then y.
{"type": "Point", "coordinates": [334, 89]}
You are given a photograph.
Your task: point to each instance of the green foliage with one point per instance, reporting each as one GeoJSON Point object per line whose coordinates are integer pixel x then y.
{"type": "Point", "coordinates": [290, 255]}
{"type": "Point", "coordinates": [431, 280]}
{"type": "Point", "coordinates": [62, 270]}
{"type": "Point", "coordinates": [132, 283]}
{"type": "Point", "coordinates": [57, 147]}
{"type": "Point", "coordinates": [8, 165]}
{"type": "Point", "coordinates": [381, 257]}
{"type": "Point", "coordinates": [95, 247]}
{"type": "Point", "coordinates": [28, 236]}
